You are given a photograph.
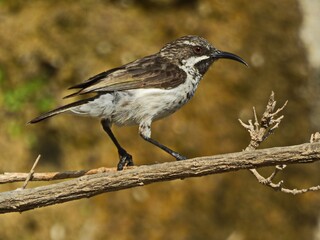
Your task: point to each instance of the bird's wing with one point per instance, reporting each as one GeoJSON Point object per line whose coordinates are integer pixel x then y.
{"type": "Point", "coordinates": [148, 72]}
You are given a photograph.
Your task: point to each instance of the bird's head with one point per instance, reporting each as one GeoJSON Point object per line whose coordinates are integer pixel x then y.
{"type": "Point", "coordinates": [195, 52]}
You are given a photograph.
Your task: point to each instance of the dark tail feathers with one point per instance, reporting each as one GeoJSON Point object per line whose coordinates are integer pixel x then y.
{"type": "Point", "coordinates": [60, 110]}
{"type": "Point", "coordinates": [49, 114]}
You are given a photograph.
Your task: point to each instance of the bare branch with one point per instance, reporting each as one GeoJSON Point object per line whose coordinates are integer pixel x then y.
{"type": "Point", "coordinates": [278, 186]}
{"type": "Point", "coordinates": [91, 185]}
{"type": "Point", "coordinates": [11, 177]}
{"type": "Point", "coordinates": [260, 132]}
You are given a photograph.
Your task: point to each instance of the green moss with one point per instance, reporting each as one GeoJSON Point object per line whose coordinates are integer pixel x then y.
{"type": "Point", "coordinates": [15, 99]}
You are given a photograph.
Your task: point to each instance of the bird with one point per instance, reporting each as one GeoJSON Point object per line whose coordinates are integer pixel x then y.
{"type": "Point", "coordinates": [144, 90]}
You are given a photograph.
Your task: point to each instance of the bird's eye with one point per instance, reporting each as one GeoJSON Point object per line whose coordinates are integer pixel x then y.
{"type": "Point", "coordinates": [197, 49]}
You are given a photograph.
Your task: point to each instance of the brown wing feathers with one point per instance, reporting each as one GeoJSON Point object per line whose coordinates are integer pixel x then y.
{"type": "Point", "coordinates": [149, 72]}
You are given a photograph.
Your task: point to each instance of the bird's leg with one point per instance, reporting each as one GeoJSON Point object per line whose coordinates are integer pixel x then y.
{"type": "Point", "coordinates": [177, 155]}
{"type": "Point", "coordinates": [125, 159]}
{"type": "Point", "coordinates": [145, 133]}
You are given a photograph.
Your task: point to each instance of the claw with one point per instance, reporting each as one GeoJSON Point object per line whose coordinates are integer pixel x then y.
{"type": "Point", "coordinates": [178, 156]}
{"type": "Point", "coordinates": [125, 160]}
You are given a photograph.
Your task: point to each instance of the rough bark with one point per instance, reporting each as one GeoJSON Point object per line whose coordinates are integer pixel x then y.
{"type": "Point", "coordinates": [90, 185]}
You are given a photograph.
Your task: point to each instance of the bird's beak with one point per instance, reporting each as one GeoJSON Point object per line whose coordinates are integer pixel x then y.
{"type": "Point", "coordinates": [220, 54]}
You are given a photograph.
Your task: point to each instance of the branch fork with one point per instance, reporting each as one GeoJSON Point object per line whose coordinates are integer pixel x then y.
{"type": "Point", "coordinates": [259, 132]}
{"type": "Point", "coordinates": [270, 121]}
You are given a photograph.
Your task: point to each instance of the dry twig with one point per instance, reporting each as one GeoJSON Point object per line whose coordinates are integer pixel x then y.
{"type": "Point", "coordinates": [259, 132]}
{"type": "Point", "coordinates": [30, 174]}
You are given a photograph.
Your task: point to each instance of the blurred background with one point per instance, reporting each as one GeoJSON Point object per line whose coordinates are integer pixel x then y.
{"type": "Point", "coordinates": [47, 46]}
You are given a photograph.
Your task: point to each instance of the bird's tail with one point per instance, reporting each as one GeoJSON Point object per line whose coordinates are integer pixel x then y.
{"type": "Point", "coordinates": [59, 110]}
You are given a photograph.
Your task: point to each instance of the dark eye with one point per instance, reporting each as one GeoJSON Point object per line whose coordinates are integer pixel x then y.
{"type": "Point", "coordinates": [197, 49]}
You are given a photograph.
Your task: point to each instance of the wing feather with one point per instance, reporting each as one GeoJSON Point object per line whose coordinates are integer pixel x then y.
{"type": "Point", "coordinates": [150, 72]}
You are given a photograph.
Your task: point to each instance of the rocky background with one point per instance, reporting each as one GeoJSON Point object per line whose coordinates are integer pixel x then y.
{"type": "Point", "coordinates": [47, 46]}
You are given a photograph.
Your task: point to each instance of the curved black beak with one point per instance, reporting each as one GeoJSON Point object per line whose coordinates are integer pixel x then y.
{"type": "Point", "coordinates": [220, 54]}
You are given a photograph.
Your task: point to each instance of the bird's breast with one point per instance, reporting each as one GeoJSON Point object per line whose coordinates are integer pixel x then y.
{"type": "Point", "coordinates": [148, 104]}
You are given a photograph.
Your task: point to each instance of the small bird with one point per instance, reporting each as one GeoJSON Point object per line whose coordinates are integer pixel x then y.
{"type": "Point", "coordinates": [145, 90]}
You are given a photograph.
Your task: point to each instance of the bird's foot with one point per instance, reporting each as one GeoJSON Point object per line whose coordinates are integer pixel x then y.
{"type": "Point", "coordinates": [178, 156]}
{"type": "Point", "coordinates": [125, 160]}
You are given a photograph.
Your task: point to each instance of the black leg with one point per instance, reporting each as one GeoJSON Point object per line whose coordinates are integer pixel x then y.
{"type": "Point", "coordinates": [125, 159]}
{"type": "Point", "coordinates": [164, 148]}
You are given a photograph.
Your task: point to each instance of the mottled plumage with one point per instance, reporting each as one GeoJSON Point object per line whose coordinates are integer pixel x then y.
{"type": "Point", "coordinates": [145, 90]}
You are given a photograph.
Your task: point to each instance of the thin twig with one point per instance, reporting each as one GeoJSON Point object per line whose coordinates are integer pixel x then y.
{"type": "Point", "coordinates": [30, 173]}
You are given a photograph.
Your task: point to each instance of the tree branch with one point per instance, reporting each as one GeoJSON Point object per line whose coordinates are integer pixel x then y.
{"type": "Point", "coordinates": [91, 185]}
